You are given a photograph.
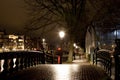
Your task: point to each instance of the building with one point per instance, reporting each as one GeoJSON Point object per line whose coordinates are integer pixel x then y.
{"type": "Point", "coordinates": [13, 42]}
{"type": "Point", "coordinates": [1, 39]}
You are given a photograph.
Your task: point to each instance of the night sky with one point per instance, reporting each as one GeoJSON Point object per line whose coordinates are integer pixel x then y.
{"type": "Point", "coordinates": [13, 15]}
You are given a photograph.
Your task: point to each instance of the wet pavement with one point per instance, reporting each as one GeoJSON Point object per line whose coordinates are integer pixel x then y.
{"type": "Point", "coordinates": [60, 72]}
{"type": "Point", "coordinates": [79, 69]}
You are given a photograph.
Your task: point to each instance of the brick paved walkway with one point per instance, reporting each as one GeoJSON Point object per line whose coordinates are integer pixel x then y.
{"type": "Point", "coordinates": [60, 72]}
{"type": "Point", "coordinates": [78, 70]}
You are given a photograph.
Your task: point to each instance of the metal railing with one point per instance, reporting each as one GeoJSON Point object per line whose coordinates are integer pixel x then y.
{"type": "Point", "coordinates": [105, 59]}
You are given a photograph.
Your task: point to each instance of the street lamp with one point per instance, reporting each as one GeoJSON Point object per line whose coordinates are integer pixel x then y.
{"type": "Point", "coordinates": [43, 42]}
{"type": "Point", "coordinates": [61, 34]}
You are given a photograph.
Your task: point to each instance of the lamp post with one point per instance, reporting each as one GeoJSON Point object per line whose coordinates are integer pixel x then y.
{"type": "Point", "coordinates": [43, 42]}
{"type": "Point", "coordinates": [61, 34]}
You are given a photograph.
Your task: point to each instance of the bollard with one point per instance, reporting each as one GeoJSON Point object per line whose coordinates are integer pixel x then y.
{"type": "Point", "coordinates": [59, 60]}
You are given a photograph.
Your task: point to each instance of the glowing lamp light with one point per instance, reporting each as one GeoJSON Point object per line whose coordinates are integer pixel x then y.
{"type": "Point", "coordinates": [59, 49]}
{"type": "Point", "coordinates": [74, 45]}
{"type": "Point", "coordinates": [61, 34]}
{"type": "Point", "coordinates": [43, 40]}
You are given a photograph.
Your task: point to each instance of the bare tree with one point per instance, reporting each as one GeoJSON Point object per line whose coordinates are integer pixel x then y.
{"type": "Point", "coordinates": [68, 13]}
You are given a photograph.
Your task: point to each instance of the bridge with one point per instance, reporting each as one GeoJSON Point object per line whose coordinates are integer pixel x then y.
{"type": "Point", "coordinates": [33, 65]}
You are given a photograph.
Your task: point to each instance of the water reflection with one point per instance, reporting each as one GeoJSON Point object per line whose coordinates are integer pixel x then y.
{"type": "Point", "coordinates": [2, 63]}
{"type": "Point", "coordinates": [64, 72]}
{"type": "Point", "coordinates": [14, 60]}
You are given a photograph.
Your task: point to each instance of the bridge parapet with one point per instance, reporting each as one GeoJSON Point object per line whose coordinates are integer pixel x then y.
{"type": "Point", "coordinates": [18, 60]}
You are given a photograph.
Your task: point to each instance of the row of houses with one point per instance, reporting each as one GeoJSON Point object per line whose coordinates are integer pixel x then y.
{"type": "Point", "coordinates": [11, 42]}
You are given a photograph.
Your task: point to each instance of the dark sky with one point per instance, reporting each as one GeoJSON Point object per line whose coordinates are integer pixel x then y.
{"type": "Point", "coordinates": [13, 15]}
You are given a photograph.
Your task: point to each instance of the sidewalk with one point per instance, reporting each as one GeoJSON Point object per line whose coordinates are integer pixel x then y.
{"type": "Point", "coordinates": [83, 61]}
{"type": "Point", "coordinates": [80, 59]}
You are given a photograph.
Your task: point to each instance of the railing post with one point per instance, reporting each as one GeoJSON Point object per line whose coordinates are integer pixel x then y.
{"type": "Point", "coordinates": [42, 57]}
{"type": "Point", "coordinates": [117, 67]}
{"type": "Point", "coordinates": [59, 59]}
{"type": "Point", "coordinates": [5, 65]}
{"type": "Point", "coordinates": [11, 55]}
{"type": "Point", "coordinates": [25, 60]}
{"type": "Point", "coordinates": [21, 60]}
{"type": "Point", "coordinates": [117, 59]}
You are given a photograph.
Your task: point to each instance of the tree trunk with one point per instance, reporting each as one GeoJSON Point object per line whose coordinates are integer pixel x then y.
{"type": "Point", "coordinates": [70, 56]}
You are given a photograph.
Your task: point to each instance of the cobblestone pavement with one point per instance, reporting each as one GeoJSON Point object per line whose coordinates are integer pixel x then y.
{"type": "Point", "coordinates": [79, 69]}
{"type": "Point", "coordinates": [60, 72]}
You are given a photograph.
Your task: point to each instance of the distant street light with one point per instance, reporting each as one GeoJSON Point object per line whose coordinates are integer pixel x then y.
{"type": "Point", "coordinates": [43, 40]}
{"type": "Point", "coordinates": [44, 44]}
{"type": "Point", "coordinates": [75, 45]}
{"type": "Point", "coordinates": [61, 34]}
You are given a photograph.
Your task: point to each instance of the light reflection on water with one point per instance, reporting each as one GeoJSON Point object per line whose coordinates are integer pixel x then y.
{"type": "Point", "coordinates": [14, 60]}
{"type": "Point", "coordinates": [2, 63]}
